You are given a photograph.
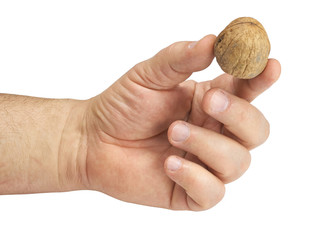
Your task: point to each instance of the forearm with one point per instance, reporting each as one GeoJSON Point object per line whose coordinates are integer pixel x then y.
{"type": "Point", "coordinates": [39, 144]}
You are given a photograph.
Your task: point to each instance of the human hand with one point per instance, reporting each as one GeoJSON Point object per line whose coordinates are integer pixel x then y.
{"type": "Point", "coordinates": [153, 138]}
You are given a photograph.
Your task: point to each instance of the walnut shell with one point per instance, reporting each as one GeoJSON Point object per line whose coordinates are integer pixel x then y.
{"type": "Point", "coordinates": [242, 48]}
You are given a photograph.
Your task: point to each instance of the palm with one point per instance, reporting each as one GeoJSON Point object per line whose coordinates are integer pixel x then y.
{"type": "Point", "coordinates": [130, 162]}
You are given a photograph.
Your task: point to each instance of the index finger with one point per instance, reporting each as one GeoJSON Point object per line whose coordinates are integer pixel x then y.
{"type": "Point", "coordinates": [249, 89]}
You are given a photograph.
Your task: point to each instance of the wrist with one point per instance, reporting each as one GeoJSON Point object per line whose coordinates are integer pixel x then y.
{"type": "Point", "coordinates": [42, 144]}
{"type": "Point", "coordinates": [73, 148]}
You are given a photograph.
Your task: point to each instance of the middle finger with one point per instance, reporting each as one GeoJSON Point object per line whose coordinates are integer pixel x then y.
{"type": "Point", "coordinates": [246, 123]}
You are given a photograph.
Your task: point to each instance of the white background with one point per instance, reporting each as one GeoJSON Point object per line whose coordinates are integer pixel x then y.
{"type": "Point", "coordinates": [76, 49]}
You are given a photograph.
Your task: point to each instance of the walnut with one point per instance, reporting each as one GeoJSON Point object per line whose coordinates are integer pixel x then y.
{"type": "Point", "coordinates": [242, 48]}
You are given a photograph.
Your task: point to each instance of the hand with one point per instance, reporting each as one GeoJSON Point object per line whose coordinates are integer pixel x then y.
{"type": "Point", "coordinates": [153, 138]}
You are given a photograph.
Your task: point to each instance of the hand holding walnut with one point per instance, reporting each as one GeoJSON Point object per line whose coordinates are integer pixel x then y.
{"type": "Point", "coordinates": [137, 157]}
{"type": "Point", "coordinates": [151, 138]}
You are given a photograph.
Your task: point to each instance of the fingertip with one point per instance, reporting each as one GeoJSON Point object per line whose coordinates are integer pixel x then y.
{"type": "Point", "coordinates": [200, 54]}
{"type": "Point", "coordinates": [272, 72]}
{"type": "Point", "coordinates": [215, 101]}
{"type": "Point", "coordinates": [268, 77]}
{"type": "Point", "coordinates": [275, 66]}
{"type": "Point", "coordinates": [249, 89]}
{"type": "Point", "coordinates": [202, 189]}
{"type": "Point", "coordinates": [178, 132]}
{"type": "Point", "coordinates": [206, 48]}
{"type": "Point", "coordinates": [171, 127]}
{"type": "Point", "coordinates": [173, 164]}
{"type": "Point", "coordinates": [206, 100]}
{"type": "Point", "coordinates": [208, 40]}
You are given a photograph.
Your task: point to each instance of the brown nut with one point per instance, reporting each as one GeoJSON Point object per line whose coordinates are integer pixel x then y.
{"type": "Point", "coordinates": [242, 48]}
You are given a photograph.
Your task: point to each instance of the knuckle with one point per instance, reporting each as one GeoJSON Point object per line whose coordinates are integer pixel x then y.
{"type": "Point", "coordinates": [245, 115]}
{"type": "Point", "coordinates": [142, 72]}
{"type": "Point", "coordinates": [267, 131]}
{"type": "Point", "coordinates": [229, 174]}
{"type": "Point", "coordinates": [213, 199]}
{"type": "Point", "coordinates": [245, 163]}
{"type": "Point", "coordinates": [136, 73]}
{"type": "Point", "coordinates": [257, 127]}
{"type": "Point", "coordinates": [205, 206]}
{"type": "Point", "coordinates": [236, 168]}
{"type": "Point", "coordinates": [261, 135]}
{"type": "Point", "coordinates": [220, 193]}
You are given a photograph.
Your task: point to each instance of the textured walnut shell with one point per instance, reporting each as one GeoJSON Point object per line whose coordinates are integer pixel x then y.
{"type": "Point", "coordinates": [242, 48]}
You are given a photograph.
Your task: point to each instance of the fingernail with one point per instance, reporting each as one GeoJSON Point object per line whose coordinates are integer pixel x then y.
{"type": "Point", "coordinates": [192, 44]}
{"type": "Point", "coordinates": [180, 132]}
{"type": "Point", "coordinates": [173, 164]}
{"type": "Point", "coordinates": [219, 102]}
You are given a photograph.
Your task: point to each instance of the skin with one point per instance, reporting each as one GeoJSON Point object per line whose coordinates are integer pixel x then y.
{"type": "Point", "coordinates": [121, 141]}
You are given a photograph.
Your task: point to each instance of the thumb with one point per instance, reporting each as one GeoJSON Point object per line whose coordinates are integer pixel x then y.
{"type": "Point", "coordinates": [173, 64]}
